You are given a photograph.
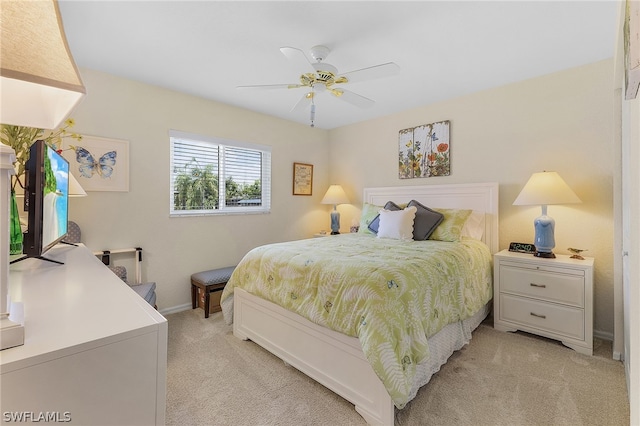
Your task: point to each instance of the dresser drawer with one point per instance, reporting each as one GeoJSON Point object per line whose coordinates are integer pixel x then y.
{"type": "Point", "coordinates": [558, 319]}
{"type": "Point", "coordinates": [561, 288]}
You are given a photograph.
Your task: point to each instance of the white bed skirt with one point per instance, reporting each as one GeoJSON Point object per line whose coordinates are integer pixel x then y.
{"type": "Point", "coordinates": [334, 359]}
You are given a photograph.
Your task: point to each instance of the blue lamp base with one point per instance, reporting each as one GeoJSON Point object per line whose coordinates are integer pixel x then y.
{"type": "Point", "coordinates": [335, 221]}
{"type": "Point", "coordinates": [544, 238]}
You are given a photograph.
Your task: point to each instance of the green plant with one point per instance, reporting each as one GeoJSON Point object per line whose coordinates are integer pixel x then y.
{"type": "Point", "coordinates": [20, 138]}
{"type": "Point", "coordinates": [196, 188]}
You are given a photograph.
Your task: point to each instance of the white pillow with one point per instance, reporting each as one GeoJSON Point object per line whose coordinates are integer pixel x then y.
{"type": "Point", "coordinates": [397, 224]}
{"type": "Point", "coordinates": [474, 226]}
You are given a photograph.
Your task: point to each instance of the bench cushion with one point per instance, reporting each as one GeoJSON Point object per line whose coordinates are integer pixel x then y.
{"type": "Point", "coordinates": [147, 291]}
{"type": "Point", "coordinates": [213, 276]}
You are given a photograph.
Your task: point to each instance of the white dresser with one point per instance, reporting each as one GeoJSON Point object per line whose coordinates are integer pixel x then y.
{"type": "Point", "coordinates": [547, 297]}
{"type": "Point", "coordinates": [95, 352]}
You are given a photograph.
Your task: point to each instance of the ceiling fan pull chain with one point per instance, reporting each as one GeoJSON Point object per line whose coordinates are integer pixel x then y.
{"type": "Point", "coordinates": [313, 112]}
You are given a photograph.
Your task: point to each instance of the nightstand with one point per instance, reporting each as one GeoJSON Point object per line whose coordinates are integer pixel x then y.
{"type": "Point", "coordinates": [547, 297]}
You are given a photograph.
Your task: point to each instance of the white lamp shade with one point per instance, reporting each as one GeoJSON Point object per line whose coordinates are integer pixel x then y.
{"type": "Point", "coordinates": [39, 81]}
{"type": "Point", "coordinates": [75, 189]}
{"type": "Point", "coordinates": [335, 195]}
{"type": "Point", "coordinates": [545, 188]}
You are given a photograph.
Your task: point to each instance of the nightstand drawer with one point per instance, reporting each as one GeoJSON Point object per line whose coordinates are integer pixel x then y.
{"type": "Point", "coordinates": [560, 288]}
{"type": "Point", "coordinates": [558, 319]}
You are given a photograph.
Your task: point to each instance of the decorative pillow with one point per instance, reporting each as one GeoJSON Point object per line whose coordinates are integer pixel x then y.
{"type": "Point", "coordinates": [451, 227]}
{"type": "Point", "coordinates": [369, 212]}
{"type": "Point", "coordinates": [375, 222]}
{"type": "Point", "coordinates": [474, 226]}
{"type": "Point", "coordinates": [426, 221]}
{"type": "Point", "coordinates": [397, 224]}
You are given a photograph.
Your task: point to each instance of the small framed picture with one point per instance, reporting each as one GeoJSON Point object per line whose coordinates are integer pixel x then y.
{"type": "Point", "coordinates": [302, 179]}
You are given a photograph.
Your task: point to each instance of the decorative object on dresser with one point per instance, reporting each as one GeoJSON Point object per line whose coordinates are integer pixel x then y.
{"type": "Point", "coordinates": [542, 189]}
{"type": "Point", "coordinates": [576, 253]}
{"type": "Point", "coordinates": [423, 151]}
{"type": "Point", "coordinates": [547, 297]}
{"type": "Point", "coordinates": [40, 86]}
{"type": "Point", "coordinates": [335, 195]}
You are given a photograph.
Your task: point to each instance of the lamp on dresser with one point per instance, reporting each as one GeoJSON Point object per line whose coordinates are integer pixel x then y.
{"type": "Point", "coordinates": [335, 195]}
{"type": "Point", "coordinates": [40, 86]}
{"type": "Point", "coordinates": [542, 189]}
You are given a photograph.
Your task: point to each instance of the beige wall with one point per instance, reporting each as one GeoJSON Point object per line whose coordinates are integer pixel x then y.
{"type": "Point", "coordinates": [561, 122]}
{"type": "Point", "coordinates": [174, 248]}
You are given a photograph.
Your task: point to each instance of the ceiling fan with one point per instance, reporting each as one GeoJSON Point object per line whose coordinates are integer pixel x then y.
{"type": "Point", "coordinates": [321, 77]}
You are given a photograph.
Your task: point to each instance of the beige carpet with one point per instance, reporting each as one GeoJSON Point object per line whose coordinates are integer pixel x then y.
{"type": "Point", "coordinates": [498, 379]}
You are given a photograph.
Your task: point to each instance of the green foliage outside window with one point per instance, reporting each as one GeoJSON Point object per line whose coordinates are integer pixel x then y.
{"type": "Point", "coordinates": [196, 188]}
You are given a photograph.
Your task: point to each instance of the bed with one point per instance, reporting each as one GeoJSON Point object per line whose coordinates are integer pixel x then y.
{"type": "Point", "coordinates": [344, 345]}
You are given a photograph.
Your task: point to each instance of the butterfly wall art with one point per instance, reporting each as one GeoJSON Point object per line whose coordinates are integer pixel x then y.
{"type": "Point", "coordinates": [100, 164]}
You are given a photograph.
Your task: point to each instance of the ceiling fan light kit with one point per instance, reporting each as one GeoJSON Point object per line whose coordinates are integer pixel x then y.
{"type": "Point", "coordinates": [321, 77]}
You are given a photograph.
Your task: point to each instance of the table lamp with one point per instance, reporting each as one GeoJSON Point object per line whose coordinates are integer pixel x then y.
{"type": "Point", "coordinates": [545, 188]}
{"type": "Point", "coordinates": [40, 86]}
{"type": "Point", "coordinates": [335, 195]}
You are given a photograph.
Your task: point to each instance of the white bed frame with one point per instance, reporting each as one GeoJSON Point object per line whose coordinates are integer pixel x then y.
{"type": "Point", "coordinates": [336, 360]}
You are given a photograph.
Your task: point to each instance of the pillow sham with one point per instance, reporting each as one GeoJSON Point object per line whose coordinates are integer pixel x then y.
{"type": "Point", "coordinates": [375, 222]}
{"type": "Point", "coordinates": [474, 226]}
{"type": "Point", "coordinates": [426, 221]}
{"type": "Point", "coordinates": [397, 224]}
{"type": "Point", "coordinates": [450, 229]}
{"type": "Point", "coordinates": [369, 212]}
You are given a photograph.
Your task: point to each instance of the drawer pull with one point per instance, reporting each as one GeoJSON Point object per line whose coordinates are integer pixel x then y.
{"type": "Point", "coordinates": [533, 314]}
{"type": "Point", "coordinates": [538, 285]}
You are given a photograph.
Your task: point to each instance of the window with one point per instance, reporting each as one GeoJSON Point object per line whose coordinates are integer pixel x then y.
{"type": "Point", "coordinates": [218, 176]}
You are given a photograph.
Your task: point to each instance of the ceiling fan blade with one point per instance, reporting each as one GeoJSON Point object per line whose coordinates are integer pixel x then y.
{"type": "Point", "coordinates": [271, 86]}
{"type": "Point", "coordinates": [370, 73]}
{"type": "Point", "coordinates": [304, 101]}
{"type": "Point", "coordinates": [352, 98]}
{"type": "Point", "coordinates": [298, 56]}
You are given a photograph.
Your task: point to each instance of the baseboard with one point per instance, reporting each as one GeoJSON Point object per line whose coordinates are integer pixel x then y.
{"type": "Point", "coordinates": [176, 309]}
{"type": "Point", "coordinates": [603, 335]}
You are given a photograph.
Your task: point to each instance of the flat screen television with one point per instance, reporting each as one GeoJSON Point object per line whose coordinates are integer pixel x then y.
{"type": "Point", "coordinates": [46, 200]}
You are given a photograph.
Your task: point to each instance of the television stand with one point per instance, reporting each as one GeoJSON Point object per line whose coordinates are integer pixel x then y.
{"type": "Point", "coordinates": [73, 360]}
{"type": "Point", "coordinates": [36, 257]}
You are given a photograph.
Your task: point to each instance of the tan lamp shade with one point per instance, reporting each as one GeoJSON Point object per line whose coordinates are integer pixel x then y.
{"type": "Point", "coordinates": [545, 188]}
{"type": "Point", "coordinates": [335, 195]}
{"type": "Point", "coordinates": [39, 81]}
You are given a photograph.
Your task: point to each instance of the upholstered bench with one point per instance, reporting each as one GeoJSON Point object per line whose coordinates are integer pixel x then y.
{"type": "Point", "coordinates": [209, 282]}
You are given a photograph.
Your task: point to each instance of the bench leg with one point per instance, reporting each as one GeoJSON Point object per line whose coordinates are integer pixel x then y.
{"type": "Point", "coordinates": [207, 297]}
{"type": "Point", "coordinates": [194, 294]}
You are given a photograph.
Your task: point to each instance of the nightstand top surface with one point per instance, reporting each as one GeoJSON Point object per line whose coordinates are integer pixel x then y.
{"type": "Point", "coordinates": [563, 259]}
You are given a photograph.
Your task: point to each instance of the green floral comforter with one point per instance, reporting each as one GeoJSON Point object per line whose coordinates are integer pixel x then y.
{"type": "Point", "coordinates": [392, 295]}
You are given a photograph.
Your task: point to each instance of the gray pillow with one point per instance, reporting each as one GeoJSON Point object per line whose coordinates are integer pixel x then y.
{"type": "Point", "coordinates": [375, 223]}
{"type": "Point", "coordinates": [426, 221]}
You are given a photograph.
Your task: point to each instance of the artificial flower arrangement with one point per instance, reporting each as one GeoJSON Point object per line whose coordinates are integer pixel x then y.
{"type": "Point", "coordinates": [20, 138]}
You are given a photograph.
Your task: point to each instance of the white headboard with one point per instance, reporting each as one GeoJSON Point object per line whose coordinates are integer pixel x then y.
{"type": "Point", "coordinates": [476, 196]}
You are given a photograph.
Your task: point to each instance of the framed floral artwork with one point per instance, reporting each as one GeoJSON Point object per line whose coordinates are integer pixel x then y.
{"type": "Point", "coordinates": [99, 164]}
{"type": "Point", "coordinates": [632, 49]}
{"type": "Point", "coordinates": [423, 151]}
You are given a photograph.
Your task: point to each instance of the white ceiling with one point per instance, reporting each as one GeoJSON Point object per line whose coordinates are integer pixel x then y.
{"type": "Point", "coordinates": [445, 49]}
